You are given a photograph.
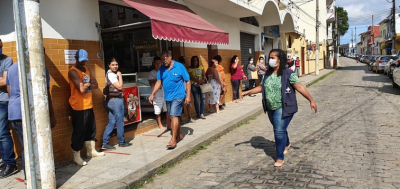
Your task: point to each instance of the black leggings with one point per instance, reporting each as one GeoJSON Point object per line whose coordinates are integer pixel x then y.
{"type": "Point", "coordinates": [251, 83]}
{"type": "Point", "coordinates": [235, 88]}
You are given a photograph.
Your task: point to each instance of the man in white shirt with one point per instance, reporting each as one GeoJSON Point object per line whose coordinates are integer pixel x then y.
{"type": "Point", "coordinates": [158, 102]}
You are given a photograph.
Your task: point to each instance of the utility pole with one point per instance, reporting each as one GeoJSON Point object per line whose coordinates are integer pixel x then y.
{"type": "Point", "coordinates": [372, 36]}
{"type": "Point", "coordinates": [393, 27]}
{"type": "Point", "coordinates": [355, 38]}
{"type": "Point", "coordinates": [39, 160]}
{"type": "Point", "coordinates": [352, 47]}
{"type": "Point", "coordinates": [336, 39]}
{"type": "Point", "coordinates": [317, 40]}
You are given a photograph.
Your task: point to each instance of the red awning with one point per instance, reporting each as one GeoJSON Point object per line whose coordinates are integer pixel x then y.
{"type": "Point", "coordinates": [175, 22]}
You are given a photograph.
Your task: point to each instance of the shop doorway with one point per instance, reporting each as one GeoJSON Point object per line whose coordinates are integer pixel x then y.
{"type": "Point", "coordinates": [247, 48]}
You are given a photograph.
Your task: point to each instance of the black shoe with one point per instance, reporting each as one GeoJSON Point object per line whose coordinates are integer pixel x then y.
{"type": "Point", "coordinates": [2, 167]}
{"type": "Point", "coordinates": [221, 107]}
{"type": "Point", "coordinates": [8, 170]}
{"type": "Point", "coordinates": [107, 147]}
{"type": "Point", "coordinates": [125, 144]}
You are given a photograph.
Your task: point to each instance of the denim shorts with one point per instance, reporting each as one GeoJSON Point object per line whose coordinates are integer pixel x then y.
{"type": "Point", "coordinates": [175, 106]}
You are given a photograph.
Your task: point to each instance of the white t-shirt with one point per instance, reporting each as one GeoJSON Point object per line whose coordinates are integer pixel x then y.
{"type": "Point", "coordinates": [160, 92]}
{"type": "Point", "coordinates": [112, 77]}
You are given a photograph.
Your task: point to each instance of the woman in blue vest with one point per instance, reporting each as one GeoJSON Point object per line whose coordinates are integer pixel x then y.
{"type": "Point", "coordinates": [279, 99]}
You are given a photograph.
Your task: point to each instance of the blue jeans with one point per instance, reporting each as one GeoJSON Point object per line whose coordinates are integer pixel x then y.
{"type": "Point", "coordinates": [6, 142]}
{"type": "Point", "coordinates": [17, 125]}
{"type": "Point", "coordinates": [280, 131]}
{"type": "Point", "coordinates": [175, 107]}
{"type": "Point", "coordinates": [115, 116]}
{"type": "Point", "coordinates": [197, 95]}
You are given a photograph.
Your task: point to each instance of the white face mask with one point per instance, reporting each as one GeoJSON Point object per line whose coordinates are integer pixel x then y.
{"type": "Point", "coordinates": [251, 62]}
{"type": "Point", "coordinates": [272, 63]}
{"type": "Point", "coordinates": [261, 61]}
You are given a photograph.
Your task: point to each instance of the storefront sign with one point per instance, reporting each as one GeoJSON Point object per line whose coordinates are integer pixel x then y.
{"type": "Point", "coordinates": [70, 56]}
{"type": "Point", "coordinates": [131, 96]}
{"type": "Point", "coordinates": [147, 61]}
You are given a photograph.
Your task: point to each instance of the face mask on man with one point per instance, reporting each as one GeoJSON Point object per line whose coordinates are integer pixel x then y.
{"type": "Point", "coordinates": [272, 63]}
{"type": "Point", "coordinates": [251, 62]}
{"type": "Point", "coordinates": [261, 61]}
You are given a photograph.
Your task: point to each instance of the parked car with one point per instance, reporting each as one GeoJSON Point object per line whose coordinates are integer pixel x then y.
{"type": "Point", "coordinates": [389, 64]}
{"type": "Point", "coordinates": [362, 58]}
{"type": "Point", "coordinates": [396, 77]}
{"type": "Point", "coordinates": [380, 63]}
{"type": "Point", "coordinates": [394, 64]}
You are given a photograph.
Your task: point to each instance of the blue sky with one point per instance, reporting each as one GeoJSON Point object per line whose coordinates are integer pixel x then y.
{"type": "Point", "coordinates": [360, 14]}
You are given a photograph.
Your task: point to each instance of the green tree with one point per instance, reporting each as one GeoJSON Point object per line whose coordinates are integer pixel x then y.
{"type": "Point", "coordinates": [343, 20]}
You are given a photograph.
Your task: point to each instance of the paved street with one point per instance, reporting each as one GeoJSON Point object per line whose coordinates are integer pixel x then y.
{"type": "Point", "coordinates": [352, 142]}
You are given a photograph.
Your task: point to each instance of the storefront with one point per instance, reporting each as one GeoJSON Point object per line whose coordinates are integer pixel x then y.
{"type": "Point", "coordinates": [134, 35]}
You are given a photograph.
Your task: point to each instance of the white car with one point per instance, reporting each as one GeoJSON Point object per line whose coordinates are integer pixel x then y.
{"type": "Point", "coordinates": [392, 62]}
{"type": "Point", "coordinates": [396, 77]}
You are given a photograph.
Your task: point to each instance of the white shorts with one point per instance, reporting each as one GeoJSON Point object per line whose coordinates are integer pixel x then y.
{"type": "Point", "coordinates": [159, 105]}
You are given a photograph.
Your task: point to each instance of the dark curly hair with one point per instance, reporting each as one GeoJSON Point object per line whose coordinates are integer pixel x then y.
{"type": "Point", "coordinates": [218, 58]}
{"type": "Point", "coordinates": [282, 62]}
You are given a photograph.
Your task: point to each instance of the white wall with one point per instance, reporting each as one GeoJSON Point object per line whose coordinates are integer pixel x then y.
{"type": "Point", "coordinates": [6, 21]}
{"type": "Point", "coordinates": [227, 23]}
{"type": "Point", "coordinates": [61, 19]}
{"type": "Point", "coordinates": [305, 22]}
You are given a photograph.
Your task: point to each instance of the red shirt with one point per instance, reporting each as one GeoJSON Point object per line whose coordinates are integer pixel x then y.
{"type": "Point", "coordinates": [236, 74]}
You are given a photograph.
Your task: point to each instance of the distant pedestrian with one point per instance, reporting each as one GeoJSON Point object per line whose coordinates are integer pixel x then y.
{"type": "Point", "coordinates": [173, 76]}
{"type": "Point", "coordinates": [261, 68]}
{"type": "Point", "coordinates": [115, 105]}
{"type": "Point", "coordinates": [158, 102]}
{"type": "Point", "coordinates": [197, 78]}
{"type": "Point", "coordinates": [297, 69]}
{"type": "Point", "coordinates": [279, 99]}
{"type": "Point", "coordinates": [221, 72]}
{"type": "Point", "coordinates": [81, 82]}
{"type": "Point", "coordinates": [215, 79]}
{"type": "Point", "coordinates": [251, 73]}
{"type": "Point", "coordinates": [236, 77]}
{"type": "Point", "coordinates": [8, 164]}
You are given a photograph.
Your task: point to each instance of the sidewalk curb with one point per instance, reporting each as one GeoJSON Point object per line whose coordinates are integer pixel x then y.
{"type": "Point", "coordinates": [141, 175]}
{"type": "Point", "coordinates": [136, 178]}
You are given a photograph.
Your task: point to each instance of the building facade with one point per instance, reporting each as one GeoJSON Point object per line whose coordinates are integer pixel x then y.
{"type": "Point", "coordinates": [122, 29]}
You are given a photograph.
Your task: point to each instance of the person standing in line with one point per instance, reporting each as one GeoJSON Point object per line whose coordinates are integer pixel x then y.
{"type": "Point", "coordinates": [115, 105]}
{"type": "Point", "coordinates": [82, 83]}
{"type": "Point", "coordinates": [279, 99]}
{"type": "Point", "coordinates": [297, 69]}
{"type": "Point", "coordinates": [158, 102]}
{"type": "Point", "coordinates": [8, 164]}
{"type": "Point", "coordinates": [251, 68]}
{"type": "Point", "coordinates": [173, 76]}
{"type": "Point", "coordinates": [261, 68]}
{"type": "Point", "coordinates": [197, 78]}
{"type": "Point", "coordinates": [216, 82]}
{"type": "Point", "coordinates": [221, 72]}
{"type": "Point", "coordinates": [14, 108]}
{"type": "Point", "coordinates": [188, 106]}
{"type": "Point", "coordinates": [236, 77]}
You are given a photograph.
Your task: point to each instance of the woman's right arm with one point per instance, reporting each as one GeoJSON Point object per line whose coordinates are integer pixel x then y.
{"type": "Point", "coordinates": [252, 91]}
{"type": "Point", "coordinates": [262, 67]}
{"type": "Point", "coordinates": [234, 65]}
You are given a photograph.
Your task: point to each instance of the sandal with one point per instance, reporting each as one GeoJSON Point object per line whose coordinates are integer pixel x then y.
{"type": "Point", "coordinates": [279, 164]}
{"type": "Point", "coordinates": [191, 121]}
{"type": "Point", "coordinates": [171, 146]}
{"type": "Point", "coordinates": [287, 149]}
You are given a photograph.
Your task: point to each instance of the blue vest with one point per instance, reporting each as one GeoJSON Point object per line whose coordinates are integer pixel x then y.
{"type": "Point", "coordinates": [289, 102]}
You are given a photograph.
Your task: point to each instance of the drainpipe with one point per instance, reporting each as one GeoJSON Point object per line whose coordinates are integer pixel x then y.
{"type": "Point", "coordinates": [39, 160]}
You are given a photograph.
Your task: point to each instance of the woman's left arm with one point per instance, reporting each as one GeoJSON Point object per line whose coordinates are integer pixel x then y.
{"type": "Point", "coordinates": [303, 91]}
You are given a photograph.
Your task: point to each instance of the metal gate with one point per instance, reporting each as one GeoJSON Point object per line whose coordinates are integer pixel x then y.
{"type": "Point", "coordinates": [247, 50]}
